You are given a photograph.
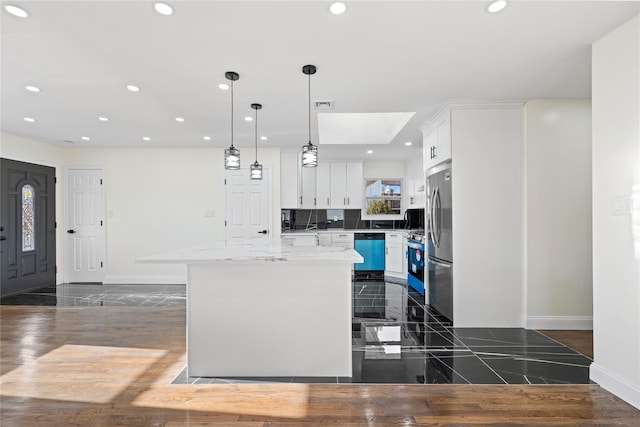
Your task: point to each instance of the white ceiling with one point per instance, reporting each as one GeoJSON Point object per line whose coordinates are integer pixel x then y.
{"type": "Point", "coordinates": [378, 57]}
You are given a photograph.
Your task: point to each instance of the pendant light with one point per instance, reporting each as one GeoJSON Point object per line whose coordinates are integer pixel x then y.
{"type": "Point", "coordinates": [256, 168]}
{"type": "Point", "coordinates": [232, 154]}
{"type": "Point", "coordinates": [309, 151]}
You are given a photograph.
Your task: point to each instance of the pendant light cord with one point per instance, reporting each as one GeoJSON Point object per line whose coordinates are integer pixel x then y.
{"type": "Point", "coordinates": [309, 107]}
{"type": "Point", "coordinates": [232, 113]}
{"type": "Point", "coordinates": [256, 135]}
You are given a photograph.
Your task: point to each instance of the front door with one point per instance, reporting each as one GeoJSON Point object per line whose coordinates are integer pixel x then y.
{"type": "Point", "coordinates": [84, 242]}
{"type": "Point", "coordinates": [27, 226]}
{"type": "Point", "coordinates": [248, 205]}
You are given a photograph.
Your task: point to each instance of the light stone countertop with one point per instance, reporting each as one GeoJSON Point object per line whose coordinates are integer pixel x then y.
{"type": "Point", "coordinates": [251, 250]}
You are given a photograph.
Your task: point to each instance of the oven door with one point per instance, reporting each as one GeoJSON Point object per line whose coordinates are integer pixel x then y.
{"type": "Point", "coordinates": [416, 257]}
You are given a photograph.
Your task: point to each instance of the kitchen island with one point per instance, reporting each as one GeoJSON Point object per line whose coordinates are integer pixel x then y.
{"type": "Point", "coordinates": [264, 308]}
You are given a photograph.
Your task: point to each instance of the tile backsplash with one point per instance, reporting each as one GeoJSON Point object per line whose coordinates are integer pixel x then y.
{"type": "Point", "coordinates": [323, 219]}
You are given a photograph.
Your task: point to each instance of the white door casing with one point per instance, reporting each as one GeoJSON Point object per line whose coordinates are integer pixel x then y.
{"type": "Point", "coordinates": [84, 223]}
{"type": "Point", "coordinates": [247, 205]}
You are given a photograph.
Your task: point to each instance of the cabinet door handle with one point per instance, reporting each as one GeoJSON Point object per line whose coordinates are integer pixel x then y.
{"type": "Point", "coordinates": [300, 199]}
{"type": "Point", "coordinates": [435, 151]}
{"type": "Point", "coordinates": [344, 200]}
{"type": "Point", "coordinates": [348, 201]}
{"type": "Point", "coordinates": [314, 201]}
{"type": "Point", "coordinates": [386, 251]}
{"type": "Point", "coordinates": [328, 202]}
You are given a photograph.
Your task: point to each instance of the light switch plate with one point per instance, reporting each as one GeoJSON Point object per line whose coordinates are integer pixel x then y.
{"type": "Point", "coordinates": [621, 205]}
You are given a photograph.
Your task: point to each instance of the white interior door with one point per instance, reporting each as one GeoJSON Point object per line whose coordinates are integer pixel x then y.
{"type": "Point", "coordinates": [84, 237]}
{"type": "Point", "coordinates": [248, 205]}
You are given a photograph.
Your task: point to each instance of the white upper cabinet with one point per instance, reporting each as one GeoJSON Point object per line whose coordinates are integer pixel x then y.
{"type": "Point", "coordinates": [354, 185]}
{"type": "Point", "coordinates": [332, 185]}
{"type": "Point", "coordinates": [414, 183]}
{"type": "Point", "coordinates": [342, 181]}
{"type": "Point", "coordinates": [437, 140]}
{"type": "Point", "coordinates": [307, 187]}
{"type": "Point", "coordinates": [297, 184]}
{"type": "Point", "coordinates": [339, 185]}
{"type": "Point", "coordinates": [323, 186]}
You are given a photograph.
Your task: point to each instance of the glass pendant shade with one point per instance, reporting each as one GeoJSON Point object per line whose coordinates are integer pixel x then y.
{"type": "Point", "coordinates": [256, 170]}
{"type": "Point", "coordinates": [232, 158]}
{"type": "Point", "coordinates": [309, 155]}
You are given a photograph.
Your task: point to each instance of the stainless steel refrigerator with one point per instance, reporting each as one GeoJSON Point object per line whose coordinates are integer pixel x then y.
{"type": "Point", "coordinates": [441, 248]}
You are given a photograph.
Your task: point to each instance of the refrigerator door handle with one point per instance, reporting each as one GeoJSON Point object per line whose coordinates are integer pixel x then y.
{"type": "Point", "coordinates": [431, 229]}
{"type": "Point", "coordinates": [440, 264]}
{"type": "Point", "coordinates": [437, 222]}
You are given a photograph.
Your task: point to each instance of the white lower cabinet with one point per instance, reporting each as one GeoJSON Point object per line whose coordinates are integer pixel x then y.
{"type": "Point", "coordinates": [324, 239]}
{"type": "Point", "coordinates": [343, 239]}
{"type": "Point", "coordinates": [299, 239]}
{"type": "Point", "coordinates": [336, 238]}
{"type": "Point", "coordinates": [395, 258]}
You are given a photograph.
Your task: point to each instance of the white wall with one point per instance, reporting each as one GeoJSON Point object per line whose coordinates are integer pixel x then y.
{"type": "Point", "coordinates": [156, 200]}
{"type": "Point", "coordinates": [616, 176]}
{"type": "Point", "coordinates": [558, 214]}
{"type": "Point", "coordinates": [383, 169]}
{"type": "Point", "coordinates": [488, 217]}
{"type": "Point", "coordinates": [25, 150]}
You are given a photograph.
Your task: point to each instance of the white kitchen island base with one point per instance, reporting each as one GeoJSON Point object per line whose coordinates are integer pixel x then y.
{"type": "Point", "coordinates": [267, 309]}
{"type": "Point", "coordinates": [266, 320]}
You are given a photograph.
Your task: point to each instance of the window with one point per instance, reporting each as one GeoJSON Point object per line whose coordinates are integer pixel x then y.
{"type": "Point", "coordinates": [383, 198]}
{"type": "Point", "coordinates": [28, 218]}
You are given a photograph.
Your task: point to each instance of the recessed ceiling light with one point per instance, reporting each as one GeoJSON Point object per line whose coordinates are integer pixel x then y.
{"type": "Point", "coordinates": [369, 151]}
{"type": "Point", "coordinates": [146, 138]}
{"type": "Point", "coordinates": [29, 119]}
{"type": "Point", "coordinates": [103, 119]}
{"type": "Point", "coordinates": [179, 119]}
{"type": "Point", "coordinates": [223, 86]}
{"type": "Point", "coordinates": [248, 119]}
{"type": "Point", "coordinates": [163, 8]}
{"type": "Point", "coordinates": [408, 143]}
{"type": "Point", "coordinates": [337, 8]}
{"type": "Point", "coordinates": [16, 11]}
{"type": "Point", "coordinates": [133, 88]}
{"type": "Point", "coordinates": [85, 138]}
{"type": "Point", "coordinates": [32, 88]}
{"type": "Point", "coordinates": [207, 138]}
{"type": "Point", "coordinates": [263, 138]}
{"type": "Point", "coordinates": [496, 6]}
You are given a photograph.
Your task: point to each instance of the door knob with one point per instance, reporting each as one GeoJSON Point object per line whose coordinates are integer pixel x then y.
{"type": "Point", "coordinates": [3, 238]}
{"type": "Point", "coordinates": [71, 231]}
{"type": "Point", "coordinates": [263, 232]}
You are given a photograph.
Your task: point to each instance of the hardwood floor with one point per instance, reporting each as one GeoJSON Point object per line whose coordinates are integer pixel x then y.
{"type": "Point", "coordinates": [112, 366]}
{"type": "Point", "coordinates": [580, 341]}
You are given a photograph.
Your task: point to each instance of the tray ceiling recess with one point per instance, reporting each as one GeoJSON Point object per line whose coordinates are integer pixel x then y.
{"type": "Point", "coordinates": [360, 128]}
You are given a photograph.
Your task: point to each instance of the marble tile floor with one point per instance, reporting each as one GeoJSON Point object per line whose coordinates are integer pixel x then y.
{"type": "Point", "coordinates": [389, 345]}
{"type": "Point", "coordinates": [96, 295]}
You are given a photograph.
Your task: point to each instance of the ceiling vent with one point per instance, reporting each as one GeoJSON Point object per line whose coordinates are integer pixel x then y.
{"type": "Point", "coordinates": [323, 105]}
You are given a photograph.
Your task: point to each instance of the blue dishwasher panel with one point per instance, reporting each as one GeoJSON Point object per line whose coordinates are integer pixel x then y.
{"type": "Point", "coordinates": [373, 253]}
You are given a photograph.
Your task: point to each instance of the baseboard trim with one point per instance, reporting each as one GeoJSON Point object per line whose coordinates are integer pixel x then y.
{"type": "Point", "coordinates": [582, 323]}
{"type": "Point", "coordinates": [395, 279]}
{"type": "Point", "coordinates": [613, 383]}
{"type": "Point", "coordinates": [145, 280]}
